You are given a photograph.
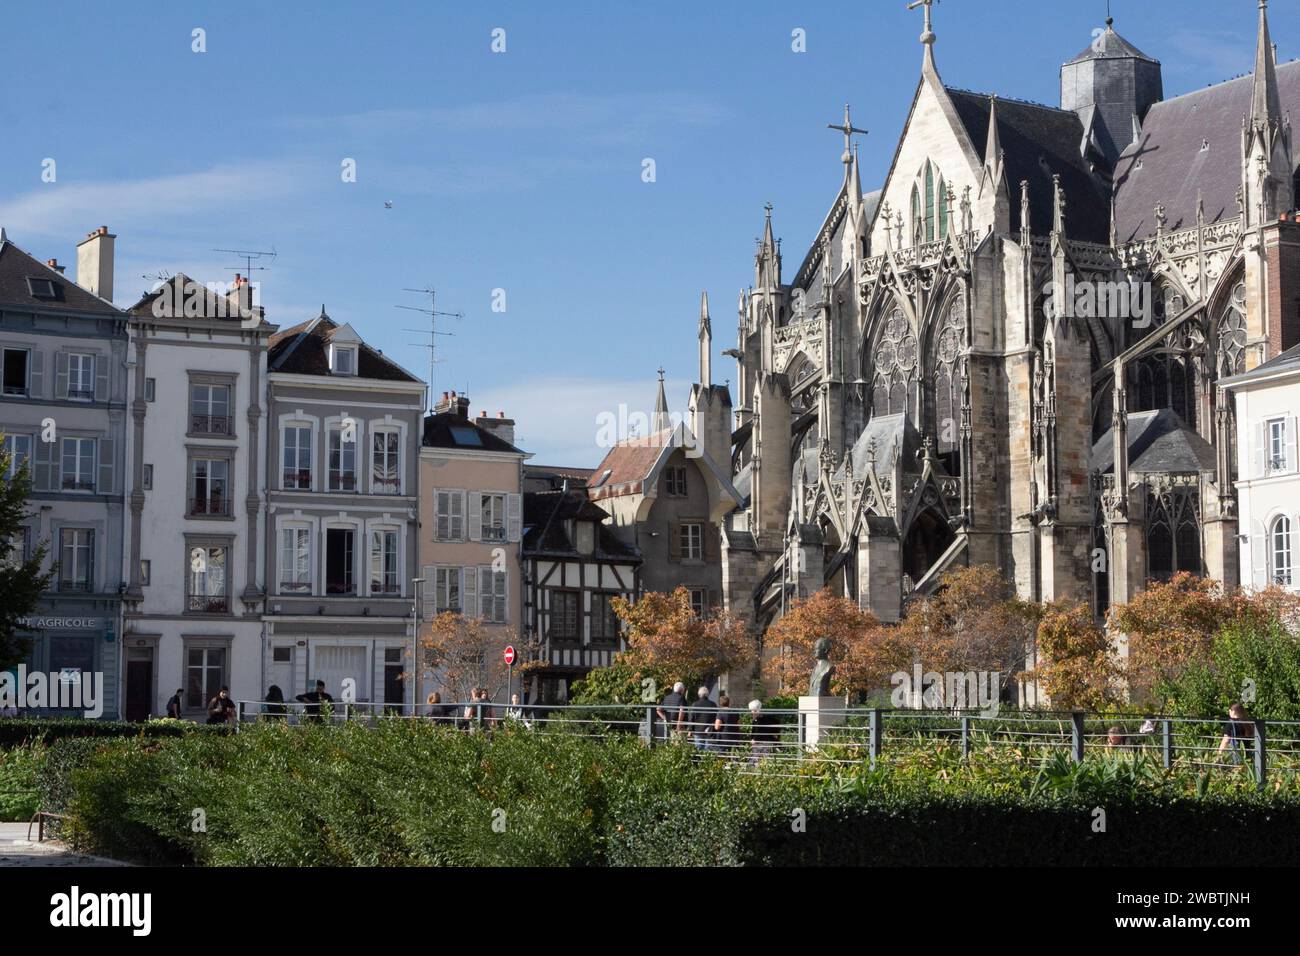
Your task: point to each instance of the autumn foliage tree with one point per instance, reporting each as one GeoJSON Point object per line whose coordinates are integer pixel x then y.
{"type": "Point", "coordinates": [665, 636]}
{"type": "Point", "coordinates": [863, 651]}
{"type": "Point", "coordinates": [972, 622]}
{"type": "Point", "coordinates": [1077, 664]}
{"type": "Point", "coordinates": [461, 654]}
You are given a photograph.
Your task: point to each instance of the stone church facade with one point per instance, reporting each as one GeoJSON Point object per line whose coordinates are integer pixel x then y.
{"type": "Point", "coordinates": [1009, 354]}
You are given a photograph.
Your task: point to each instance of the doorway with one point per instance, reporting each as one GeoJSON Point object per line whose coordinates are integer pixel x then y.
{"type": "Point", "coordinates": [139, 684]}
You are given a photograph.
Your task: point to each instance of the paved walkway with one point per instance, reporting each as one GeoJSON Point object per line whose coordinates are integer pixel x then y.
{"type": "Point", "coordinates": [17, 850]}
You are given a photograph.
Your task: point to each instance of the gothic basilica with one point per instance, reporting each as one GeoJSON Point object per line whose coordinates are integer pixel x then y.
{"type": "Point", "coordinates": [916, 394]}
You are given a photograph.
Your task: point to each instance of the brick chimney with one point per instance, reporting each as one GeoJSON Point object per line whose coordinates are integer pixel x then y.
{"type": "Point", "coordinates": [95, 263]}
{"type": "Point", "coordinates": [54, 264]}
{"type": "Point", "coordinates": [451, 402]}
{"type": "Point", "coordinates": [502, 427]}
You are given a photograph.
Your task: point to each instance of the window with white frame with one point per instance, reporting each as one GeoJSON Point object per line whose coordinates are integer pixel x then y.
{"type": "Point", "coordinates": [449, 524]}
{"type": "Point", "coordinates": [81, 376]}
{"type": "Point", "coordinates": [205, 674]}
{"type": "Point", "coordinates": [209, 487]}
{"type": "Point", "coordinates": [383, 561]}
{"type": "Point", "coordinates": [343, 359]}
{"type": "Point", "coordinates": [19, 450]}
{"type": "Point", "coordinates": [295, 560]}
{"type": "Point", "coordinates": [295, 457]}
{"type": "Point", "coordinates": [207, 582]}
{"type": "Point", "coordinates": [343, 458]}
{"type": "Point", "coordinates": [385, 462]}
{"type": "Point", "coordinates": [692, 541]}
{"type": "Point", "coordinates": [446, 590]}
{"type": "Point", "coordinates": [493, 511]}
{"type": "Point", "coordinates": [699, 601]}
{"type": "Point", "coordinates": [492, 596]}
{"type": "Point", "coordinates": [76, 559]}
{"type": "Point", "coordinates": [15, 548]}
{"type": "Point", "coordinates": [78, 464]}
{"type": "Point", "coordinates": [1280, 551]}
{"type": "Point", "coordinates": [210, 410]}
{"type": "Point", "coordinates": [1277, 445]}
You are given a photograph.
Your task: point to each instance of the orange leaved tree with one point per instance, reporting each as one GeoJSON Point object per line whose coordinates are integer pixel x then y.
{"type": "Point", "coordinates": [664, 635]}
{"type": "Point", "coordinates": [1077, 664]}
{"type": "Point", "coordinates": [863, 651]}
{"type": "Point", "coordinates": [461, 654]}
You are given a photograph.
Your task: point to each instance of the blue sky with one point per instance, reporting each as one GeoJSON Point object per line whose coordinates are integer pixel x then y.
{"type": "Point", "coordinates": [518, 170]}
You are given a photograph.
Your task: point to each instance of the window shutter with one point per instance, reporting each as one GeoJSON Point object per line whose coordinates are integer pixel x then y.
{"type": "Point", "coordinates": [502, 597]}
{"type": "Point", "coordinates": [675, 542]}
{"type": "Point", "coordinates": [90, 560]}
{"type": "Point", "coordinates": [440, 519]}
{"type": "Point", "coordinates": [1261, 449]}
{"type": "Point", "coordinates": [514, 516]}
{"type": "Point", "coordinates": [46, 473]}
{"type": "Point", "coordinates": [475, 515]}
{"type": "Point", "coordinates": [428, 591]}
{"type": "Point", "coordinates": [36, 374]}
{"type": "Point", "coordinates": [485, 592]}
{"type": "Point", "coordinates": [60, 374]}
{"type": "Point", "coordinates": [1259, 558]}
{"type": "Point", "coordinates": [1291, 463]}
{"type": "Point", "coordinates": [457, 514]}
{"type": "Point", "coordinates": [104, 484]}
{"type": "Point", "coordinates": [101, 378]}
{"type": "Point", "coordinates": [469, 592]}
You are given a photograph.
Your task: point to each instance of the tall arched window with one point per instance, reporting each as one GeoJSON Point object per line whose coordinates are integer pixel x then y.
{"type": "Point", "coordinates": [894, 366]}
{"type": "Point", "coordinates": [1279, 541]}
{"type": "Point", "coordinates": [930, 220]}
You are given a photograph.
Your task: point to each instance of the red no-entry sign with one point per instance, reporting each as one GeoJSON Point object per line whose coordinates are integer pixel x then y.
{"type": "Point", "coordinates": [510, 654]}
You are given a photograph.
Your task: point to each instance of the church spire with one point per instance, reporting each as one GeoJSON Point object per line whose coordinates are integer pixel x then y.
{"type": "Point", "coordinates": [767, 265]}
{"type": "Point", "coordinates": [991, 180]}
{"type": "Point", "coordinates": [659, 423]}
{"type": "Point", "coordinates": [1265, 102]}
{"type": "Point", "coordinates": [706, 342]}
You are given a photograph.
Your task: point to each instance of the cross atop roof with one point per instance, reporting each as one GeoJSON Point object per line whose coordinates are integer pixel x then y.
{"type": "Point", "coordinates": [927, 36]}
{"type": "Point", "coordinates": [848, 129]}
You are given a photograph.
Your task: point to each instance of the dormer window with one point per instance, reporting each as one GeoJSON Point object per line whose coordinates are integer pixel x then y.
{"type": "Point", "coordinates": [42, 288]}
{"type": "Point", "coordinates": [343, 359]}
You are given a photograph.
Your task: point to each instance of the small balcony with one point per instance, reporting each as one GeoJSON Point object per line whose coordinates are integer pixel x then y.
{"type": "Point", "coordinates": [78, 484]}
{"type": "Point", "coordinates": [211, 425]}
{"type": "Point", "coordinates": [295, 587]}
{"type": "Point", "coordinates": [81, 394]}
{"type": "Point", "coordinates": [385, 486]}
{"type": "Point", "coordinates": [208, 604]}
{"type": "Point", "coordinates": [213, 506]}
{"type": "Point", "coordinates": [340, 482]}
{"type": "Point", "coordinates": [82, 586]}
{"type": "Point", "coordinates": [388, 588]}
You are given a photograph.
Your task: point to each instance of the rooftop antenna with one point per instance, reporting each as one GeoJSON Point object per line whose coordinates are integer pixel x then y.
{"type": "Point", "coordinates": [432, 345]}
{"type": "Point", "coordinates": [250, 256]}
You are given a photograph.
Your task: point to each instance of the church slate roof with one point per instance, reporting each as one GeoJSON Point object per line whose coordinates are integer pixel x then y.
{"type": "Point", "coordinates": [1288, 361]}
{"type": "Point", "coordinates": [16, 266]}
{"type": "Point", "coordinates": [1109, 45]}
{"type": "Point", "coordinates": [303, 350]}
{"type": "Point", "coordinates": [1174, 166]}
{"type": "Point", "coordinates": [1039, 142]}
{"type": "Point", "coordinates": [895, 437]}
{"type": "Point", "coordinates": [1158, 442]}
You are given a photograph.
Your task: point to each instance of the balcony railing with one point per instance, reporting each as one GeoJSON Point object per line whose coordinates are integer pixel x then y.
{"type": "Point", "coordinates": [385, 588]}
{"type": "Point", "coordinates": [217, 506]}
{"type": "Point", "coordinates": [74, 585]}
{"type": "Point", "coordinates": [385, 486]}
{"type": "Point", "coordinates": [209, 604]}
{"type": "Point", "coordinates": [1277, 463]}
{"type": "Point", "coordinates": [295, 587]}
{"type": "Point", "coordinates": [297, 479]}
{"type": "Point", "coordinates": [493, 532]}
{"type": "Point", "coordinates": [342, 482]}
{"type": "Point", "coordinates": [339, 587]}
{"type": "Point", "coordinates": [211, 424]}
{"type": "Point", "coordinates": [81, 394]}
{"type": "Point", "coordinates": [78, 484]}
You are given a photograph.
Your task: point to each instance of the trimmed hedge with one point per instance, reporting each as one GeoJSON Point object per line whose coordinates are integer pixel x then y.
{"type": "Point", "coordinates": [410, 793]}
{"type": "Point", "coordinates": [16, 731]}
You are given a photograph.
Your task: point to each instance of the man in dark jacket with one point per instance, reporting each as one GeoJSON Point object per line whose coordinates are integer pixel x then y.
{"type": "Point", "coordinates": [672, 711]}
{"type": "Point", "coordinates": [174, 705]}
{"type": "Point", "coordinates": [313, 700]}
{"type": "Point", "coordinates": [702, 715]}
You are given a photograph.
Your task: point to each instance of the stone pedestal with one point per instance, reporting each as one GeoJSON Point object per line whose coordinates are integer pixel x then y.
{"type": "Point", "coordinates": [816, 715]}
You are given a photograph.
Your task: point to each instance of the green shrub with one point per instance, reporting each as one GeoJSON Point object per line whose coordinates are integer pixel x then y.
{"type": "Point", "coordinates": [24, 730]}
{"type": "Point", "coordinates": [19, 796]}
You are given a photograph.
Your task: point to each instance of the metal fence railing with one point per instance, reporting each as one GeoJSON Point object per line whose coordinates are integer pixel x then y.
{"type": "Point", "coordinates": [786, 738]}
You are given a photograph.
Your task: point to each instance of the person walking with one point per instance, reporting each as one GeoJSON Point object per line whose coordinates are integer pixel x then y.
{"type": "Point", "coordinates": [174, 705]}
{"type": "Point", "coordinates": [221, 709]}
{"type": "Point", "coordinates": [764, 732]}
{"type": "Point", "coordinates": [1238, 734]}
{"type": "Point", "coordinates": [726, 725]}
{"type": "Point", "coordinates": [437, 711]}
{"type": "Point", "coordinates": [672, 711]}
{"type": "Point", "coordinates": [518, 713]}
{"type": "Point", "coordinates": [702, 716]}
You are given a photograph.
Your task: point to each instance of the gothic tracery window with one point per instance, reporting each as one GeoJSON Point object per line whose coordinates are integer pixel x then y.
{"type": "Point", "coordinates": [945, 372]}
{"type": "Point", "coordinates": [1173, 529]}
{"type": "Point", "coordinates": [930, 219]}
{"type": "Point", "coordinates": [1232, 334]}
{"type": "Point", "coordinates": [894, 363]}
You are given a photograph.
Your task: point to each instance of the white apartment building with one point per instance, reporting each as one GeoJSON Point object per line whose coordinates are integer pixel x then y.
{"type": "Point", "coordinates": [1268, 468]}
